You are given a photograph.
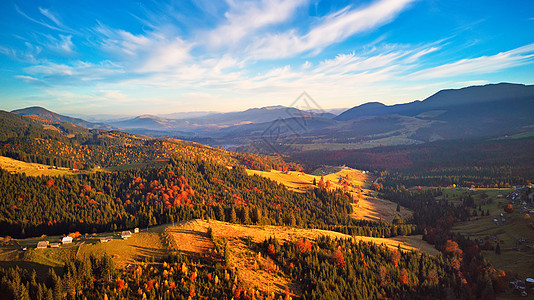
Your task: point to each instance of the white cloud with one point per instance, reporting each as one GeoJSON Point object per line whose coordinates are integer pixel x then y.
{"type": "Point", "coordinates": [480, 65]}
{"type": "Point", "coordinates": [51, 69]}
{"type": "Point", "coordinates": [27, 78]}
{"type": "Point", "coordinates": [45, 24]}
{"type": "Point", "coordinates": [157, 51]}
{"type": "Point", "coordinates": [246, 17]}
{"type": "Point", "coordinates": [417, 55]}
{"type": "Point", "coordinates": [47, 13]}
{"type": "Point", "coordinates": [334, 28]}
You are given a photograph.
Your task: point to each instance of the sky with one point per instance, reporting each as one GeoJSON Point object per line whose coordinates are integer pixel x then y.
{"type": "Point", "coordinates": [156, 57]}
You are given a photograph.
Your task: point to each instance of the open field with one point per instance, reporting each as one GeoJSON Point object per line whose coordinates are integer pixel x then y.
{"type": "Point", "coordinates": [145, 245]}
{"type": "Point", "coordinates": [372, 208]}
{"type": "Point", "coordinates": [516, 258]}
{"type": "Point", "coordinates": [193, 232]}
{"type": "Point", "coordinates": [31, 169]}
{"type": "Point", "coordinates": [369, 206]}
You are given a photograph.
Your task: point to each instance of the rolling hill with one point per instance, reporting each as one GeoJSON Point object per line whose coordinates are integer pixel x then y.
{"type": "Point", "coordinates": [52, 116]}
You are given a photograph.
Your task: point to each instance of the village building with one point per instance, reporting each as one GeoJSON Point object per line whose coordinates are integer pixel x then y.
{"type": "Point", "coordinates": [66, 240]}
{"type": "Point", "coordinates": [106, 239]}
{"type": "Point", "coordinates": [42, 244]}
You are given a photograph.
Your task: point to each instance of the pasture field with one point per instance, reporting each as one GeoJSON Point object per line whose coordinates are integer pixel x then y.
{"type": "Point", "coordinates": [32, 169]}
{"type": "Point", "coordinates": [369, 207]}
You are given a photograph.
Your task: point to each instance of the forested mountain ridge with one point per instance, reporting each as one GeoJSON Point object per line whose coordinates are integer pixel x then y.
{"type": "Point", "coordinates": [446, 99]}
{"type": "Point", "coordinates": [33, 139]}
{"type": "Point", "coordinates": [52, 116]}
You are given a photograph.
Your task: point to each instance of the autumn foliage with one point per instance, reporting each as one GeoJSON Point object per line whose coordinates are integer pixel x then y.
{"type": "Point", "coordinates": [337, 259]}
{"type": "Point", "coordinates": [509, 208]}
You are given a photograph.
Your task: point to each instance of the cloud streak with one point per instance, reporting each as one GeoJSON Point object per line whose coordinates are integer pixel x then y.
{"type": "Point", "coordinates": [334, 28]}
{"type": "Point", "coordinates": [480, 65]}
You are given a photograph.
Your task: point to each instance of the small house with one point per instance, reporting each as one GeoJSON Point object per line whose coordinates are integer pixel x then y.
{"type": "Point", "coordinates": [42, 245]}
{"type": "Point", "coordinates": [54, 245]}
{"type": "Point", "coordinates": [66, 240]}
{"type": "Point", "coordinates": [106, 239]}
{"type": "Point", "coordinates": [136, 230]}
{"type": "Point", "coordinates": [126, 234]}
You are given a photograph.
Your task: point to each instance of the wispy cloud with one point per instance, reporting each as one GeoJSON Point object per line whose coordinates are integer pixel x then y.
{"type": "Point", "coordinates": [28, 54]}
{"type": "Point", "coordinates": [157, 51]}
{"type": "Point", "coordinates": [76, 73]}
{"type": "Point", "coordinates": [27, 78]}
{"type": "Point", "coordinates": [480, 65]}
{"type": "Point", "coordinates": [47, 13]}
{"type": "Point", "coordinates": [334, 28]}
{"type": "Point", "coordinates": [245, 18]}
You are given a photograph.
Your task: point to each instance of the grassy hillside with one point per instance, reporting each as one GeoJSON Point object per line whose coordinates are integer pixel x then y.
{"type": "Point", "coordinates": [368, 205]}
{"type": "Point", "coordinates": [31, 169]}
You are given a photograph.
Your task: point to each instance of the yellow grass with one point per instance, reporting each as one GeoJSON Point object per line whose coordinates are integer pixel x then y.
{"type": "Point", "coordinates": [31, 169]}
{"type": "Point", "coordinates": [145, 245]}
{"type": "Point", "coordinates": [193, 232]}
{"type": "Point", "coordinates": [368, 208]}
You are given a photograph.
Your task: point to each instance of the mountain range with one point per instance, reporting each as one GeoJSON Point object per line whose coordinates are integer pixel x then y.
{"type": "Point", "coordinates": [473, 112]}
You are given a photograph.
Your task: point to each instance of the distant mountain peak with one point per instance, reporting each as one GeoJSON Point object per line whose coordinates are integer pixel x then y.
{"type": "Point", "coordinates": [148, 116]}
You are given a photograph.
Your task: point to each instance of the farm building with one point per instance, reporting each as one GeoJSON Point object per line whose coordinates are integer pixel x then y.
{"type": "Point", "coordinates": [126, 234]}
{"type": "Point", "coordinates": [54, 245]}
{"type": "Point", "coordinates": [66, 240]}
{"type": "Point", "coordinates": [42, 244]}
{"type": "Point", "coordinates": [106, 239]}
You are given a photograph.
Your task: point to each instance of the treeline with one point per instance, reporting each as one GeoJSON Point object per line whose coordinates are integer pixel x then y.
{"type": "Point", "coordinates": [175, 277]}
{"type": "Point", "coordinates": [183, 189]}
{"type": "Point", "coordinates": [266, 163]}
{"type": "Point", "coordinates": [482, 163]}
{"type": "Point", "coordinates": [345, 269]}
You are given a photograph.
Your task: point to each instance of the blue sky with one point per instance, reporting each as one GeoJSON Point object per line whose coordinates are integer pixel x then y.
{"type": "Point", "coordinates": [139, 57]}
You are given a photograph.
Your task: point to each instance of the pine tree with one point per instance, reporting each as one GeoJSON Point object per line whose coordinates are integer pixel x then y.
{"type": "Point", "coordinates": [233, 216]}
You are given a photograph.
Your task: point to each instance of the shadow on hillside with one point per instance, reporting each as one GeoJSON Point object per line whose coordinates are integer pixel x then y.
{"type": "Point", "coordinates": [40, 269]}
{"type": "Point", "coordinates": [143, 253]}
